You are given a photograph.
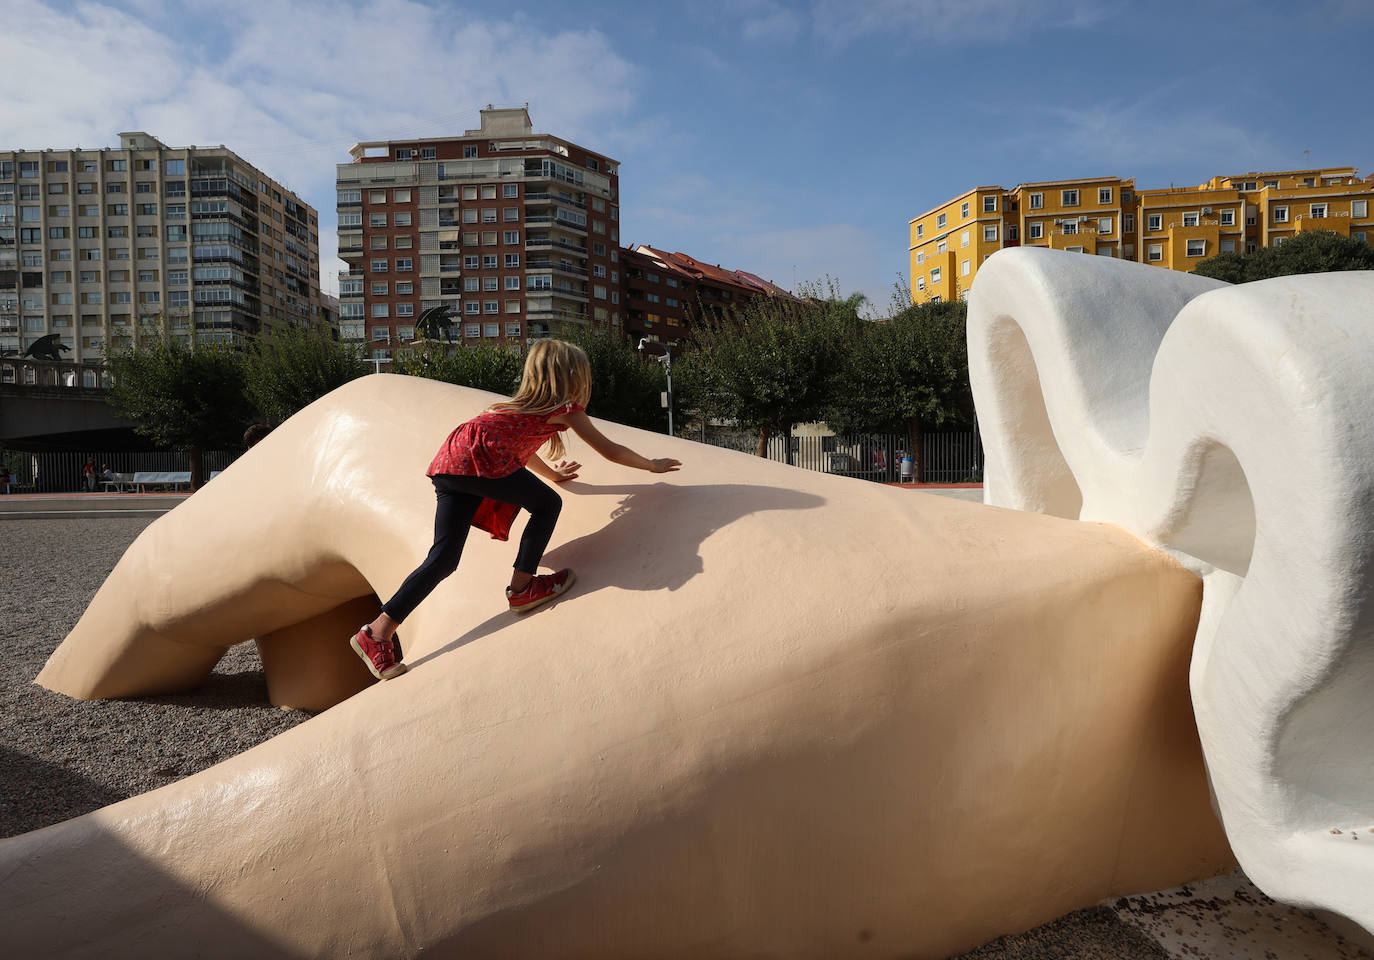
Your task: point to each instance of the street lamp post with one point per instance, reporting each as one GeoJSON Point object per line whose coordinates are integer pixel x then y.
{"type": "Point", "coordinates": [667, 360]}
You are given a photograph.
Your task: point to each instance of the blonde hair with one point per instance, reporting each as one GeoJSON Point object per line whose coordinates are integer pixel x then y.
{"type": "Point", "coordinates": [556, 373]}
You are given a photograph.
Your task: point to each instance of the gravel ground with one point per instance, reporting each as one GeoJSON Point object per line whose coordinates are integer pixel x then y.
{"type": "Point", "coordinates": [60, 757]}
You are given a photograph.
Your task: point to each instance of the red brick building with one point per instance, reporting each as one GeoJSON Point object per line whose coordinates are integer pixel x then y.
{"type": "Point", "coordinates": [514, 230]}
{"type": "Point", "coordinates": [666, 292]}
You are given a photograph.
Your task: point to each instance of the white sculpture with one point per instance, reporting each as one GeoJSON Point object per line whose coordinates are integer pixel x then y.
{"type": "Point", "coordinates": [1233, 427]}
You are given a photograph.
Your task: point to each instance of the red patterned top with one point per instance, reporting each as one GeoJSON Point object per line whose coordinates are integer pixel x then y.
{"type": "Point", "coordinates": [496, 444]}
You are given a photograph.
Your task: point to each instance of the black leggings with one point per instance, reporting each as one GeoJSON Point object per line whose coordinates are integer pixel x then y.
{"type": "Point", "coordinates": [458, 499]}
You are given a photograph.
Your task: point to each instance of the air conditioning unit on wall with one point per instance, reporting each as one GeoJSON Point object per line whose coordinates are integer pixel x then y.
{"type": "Point", "coordinates": [1206, 211]}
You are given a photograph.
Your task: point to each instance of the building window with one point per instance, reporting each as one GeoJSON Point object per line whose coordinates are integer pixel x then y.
{"type": "Point", "coordinates": [1154, 252]}
{"type": "Point", "coordinates": [990, 233]}
{"type": "Point", "coordinates": [1280, 214]}
{"type": "Point", "coordinates": [1068, 227]}
{"type": "Point", "coordinates": [1035, 230]}
{"type": "Point", "coordinates": [400, 195]}
{"type": "Point", "coordinates": [489, 215]}
{"type": "Point", "coordinates": [1359, 209]}
{"type": "Point", "coordinates": [964, 238]}
{"type": "Point", "coordinates": [1073, 249]}
{"type": "Point", "coordinates": [512, 237]}
{"type": "Point", "coordinates": [920, 283]}
{"type": "Point", "coordinates": [513, 306]}
{"type": "Point", "coordinates": [510, 214]}
{"type": "Point", "coordinates": [990, 204]}
{"type": "Point", "coordinates": [1228, 246]}
{"type": "Point", "coordinates": [1104, 224]}
{"type": "Point", "coordinates": [1037, 201]}
{"type": "Point", "coordinates": [377, 242]}
{"type": "Point", "coordinates": [470, 215]}
{"type": "Point", "coordinates": [404, 287]}
{"type": "Point", "coordinates": [404, 242]}
{"type": "Point", "coordinates": [472, 306]}
{"type": "Point", "coordinates": [1190, 219]}
{"type": "Point", "coordinates": [472, 284]}
{"type": "Point", "coordinates": [512, 261]}
{"type": "Point", "coordinates": [491, 284]}
{"type": "Point", "coordinates": [489, 238]}
{"type": "Point", "coordinates": [488, 261]}
{"type": "Point", "coordinates": [380, 288]}
{"type": "Point", "coordinates": [1197, 248]}
{"type": "Point", "coordinates": [428, 153]}
{"type": "Point", "coordinates": [471, 262]}
{"type": "Point", "coordinates": [920, 230]}
{"type": "Point", "coordinates": [1278, 241]}
{"type": "Point", "coordinates": [935, 275]}
{"type": "Point", "coordinates": [472, 330]}
{"type": "Point", "coordinates": [510, 191]}
{"type": "Point", "coordinates": [381, 310]}
{"type": "Point", "coordinates": [1068, 198]}
{"type": "Point", "coordinates": [1318, 210]}
{"type": "Point", "coordinates": [940, 222]}
{"type": "Point", "coordinates": [1104, 194]}
{"type": "Point", "coordinates": [406, 310]}
{"type": "Point", "coordinates": [376, 219]}
{"type": "Point", "coordinates": [401, 220]}
{"type": "Point", "coordinates": [491, 306]}
{"type": "Point", "coordinates": [1228, 218]}
{"type": "Point", "coordinates": [512, 283]}
{"type": "Point", "coordinates": [963, 210]}
{"type": "Point", "coordinates": [1154, 221]}
{"type": "Point", "coordinates": [404, 263]}
{"type": "Point", "coordinates": [964, 268]}
{"type": "Point", "coordinates": [380, 266]}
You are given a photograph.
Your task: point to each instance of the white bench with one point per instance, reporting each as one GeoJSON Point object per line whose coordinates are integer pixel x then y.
{"type": "Point", "coordinates": [174, 479]}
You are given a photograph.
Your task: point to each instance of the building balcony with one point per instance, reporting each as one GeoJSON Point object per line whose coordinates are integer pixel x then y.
{"type": "Point", "coordinates": [545, 242]}
{"type": "Point", "coordinates": [542, 198]}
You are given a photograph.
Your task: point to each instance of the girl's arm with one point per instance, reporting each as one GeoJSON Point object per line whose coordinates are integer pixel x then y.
{"type": "Point", "coordinates": [608, 448]}
{"type": "Point", "coordinates": [565, 470]}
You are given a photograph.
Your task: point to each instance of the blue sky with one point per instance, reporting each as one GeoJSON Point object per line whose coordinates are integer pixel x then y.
{"type": "Point", "coordinates": [791, 139]}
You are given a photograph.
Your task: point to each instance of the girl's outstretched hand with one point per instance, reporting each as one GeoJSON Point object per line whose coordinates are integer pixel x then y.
{"type": "Point", "coordinates": [664, 465]}
{"type": "Point", "coordinates": [565, 470]}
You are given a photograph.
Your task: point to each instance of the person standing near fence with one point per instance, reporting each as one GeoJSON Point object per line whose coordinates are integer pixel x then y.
{"type": "Point", "coordinates": [88, 475]}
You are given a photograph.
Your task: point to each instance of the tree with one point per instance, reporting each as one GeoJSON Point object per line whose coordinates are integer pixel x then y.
{"type": "Point", "coordinates": [771, 365]}
{"type": "Point", "coordinates": [291, 367]}
{"type": "Point", "coordinates": [483, 366]}
{"type": "Point", "coordinates": [907, 372]}
{"type": "Point", "coordinates": [626, 386]}
{"type": "Point", "coordinates": [180, 396]}
{"type": "Point", "coordinates": [1317, 251]}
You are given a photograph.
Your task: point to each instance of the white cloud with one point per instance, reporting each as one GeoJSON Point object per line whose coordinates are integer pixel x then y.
{"type": "Point", "coordinates": [1127, 138]}
{"type": "Point", "coordinates": [972, 21]}
{"type": "Point", "coordinates": [292, 84]}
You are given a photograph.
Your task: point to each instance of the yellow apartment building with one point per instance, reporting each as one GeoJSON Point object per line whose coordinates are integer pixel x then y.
{"type": "Point", "coordinates": [949, 242]}
{"type": "Point", "coordinates": [1175, 227]}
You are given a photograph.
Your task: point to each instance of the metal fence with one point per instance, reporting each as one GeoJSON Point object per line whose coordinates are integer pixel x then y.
{"type": "Point", "coordinates": [947, 457]}
{"type": "Point", "coordinates": [62, 472]}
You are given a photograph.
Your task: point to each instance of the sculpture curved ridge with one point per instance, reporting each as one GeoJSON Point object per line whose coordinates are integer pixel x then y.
{"type": "Point", "coordinates": [782, 713]}
{"type": "Point", "coordinates": [1233, 427]}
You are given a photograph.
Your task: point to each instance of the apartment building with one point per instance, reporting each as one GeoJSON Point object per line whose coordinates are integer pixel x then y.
{"type": "Point", "coordinates": [665, 293]}
{"type": "Point", "coordinates": [1175, 227]}
{"type": "Point", "coordinates": [1241, 213]}
{"type": "Point", "coordinates": [94, 241]}
{"type": "Point", "coordinates": [950, 242]}
{"type": "Point", "coordinates": [513, 230]}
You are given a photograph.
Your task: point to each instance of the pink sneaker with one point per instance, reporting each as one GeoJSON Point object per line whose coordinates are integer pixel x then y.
{"type": "Point", "coordinates": [383, 659]}
{"type": "Point", "coordinates": [541, 589]}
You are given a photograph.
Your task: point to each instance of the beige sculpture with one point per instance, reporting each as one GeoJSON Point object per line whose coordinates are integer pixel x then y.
{"type": "Point", "coordinates": [781, 714]}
